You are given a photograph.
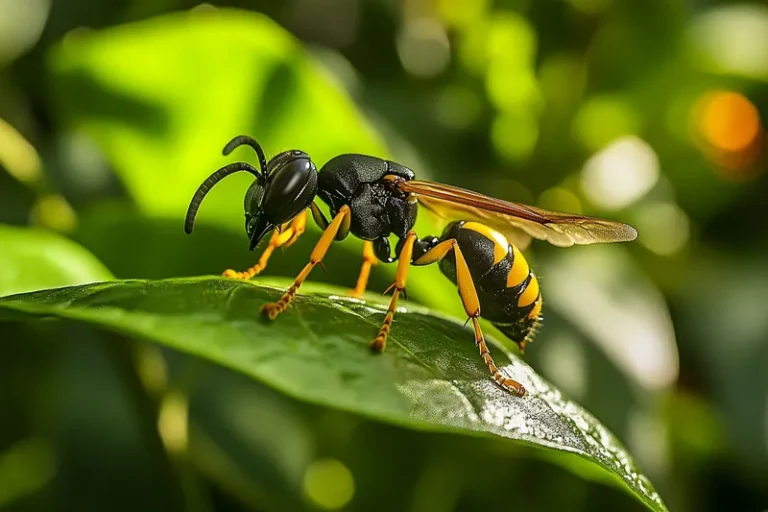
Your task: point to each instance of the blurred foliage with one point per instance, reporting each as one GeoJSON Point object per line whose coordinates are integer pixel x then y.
{"type": "Point", "coordinates": [652, 113]}
{"type": "Point", "coordinates": [34, 259]}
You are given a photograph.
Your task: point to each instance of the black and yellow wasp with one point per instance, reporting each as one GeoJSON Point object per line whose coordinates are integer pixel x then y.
{"type": "Point", "coordinates": [374, 198]}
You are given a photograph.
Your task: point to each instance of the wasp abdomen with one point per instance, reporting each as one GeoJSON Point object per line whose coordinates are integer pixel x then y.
{"type": "Point", "coordinates": [506, 286]}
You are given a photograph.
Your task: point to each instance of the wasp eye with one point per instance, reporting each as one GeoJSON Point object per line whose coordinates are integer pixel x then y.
{"type": "Point", "coordinates": [248, 226]}
{"type": "Point", "coordinates": [254, 198]}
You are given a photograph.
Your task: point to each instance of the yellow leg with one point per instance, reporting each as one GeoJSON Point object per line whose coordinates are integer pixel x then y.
{"type": "Point", "coordinates": [505, 382]}
{"type": "Point", "coordinates": [290, 232]}
{"type": "Point", "coordinates": [298, 225]}
{"type": "Point", "coordinates": [369, 259]}
{"type": "Point", "coordinates": [379, 343]}
{"type": "Point", "coordinates": [471, 303]}
{"type": "Point", "coordinates": [277, 240]}
{"type": "Point", "coordinates": [273, 309]}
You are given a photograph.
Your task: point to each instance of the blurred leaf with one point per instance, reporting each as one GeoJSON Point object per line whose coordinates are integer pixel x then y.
{"type": "Point", "coordinates": [233, 426]}
{"type": "Point", "coordinates": [18, 156]}
{"type": "Point", "coordinates": [32, 259]}
{"type": "Point", "coordinates": [108, 455]}
{"type": "Point", "coordinates": [25, 468]}
{"type": "Point", "coordinates": [609, 342]}
{"type": "Point", "coordinates": [21, 25]}
{"type": "Point", "coordinates": [163, 96]}
{"type": "Point", "coordinates": [619, 308]}
{"type": "Point", "coordinates": [723, 326]}
{"type": "Point", "coordinates": [431, 378]}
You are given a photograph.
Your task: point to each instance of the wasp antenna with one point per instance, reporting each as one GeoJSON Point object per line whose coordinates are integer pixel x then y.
{"type": "Point", "coordinates": [247, 140]}
{"type": "Point", "coordinates": [213, 179]}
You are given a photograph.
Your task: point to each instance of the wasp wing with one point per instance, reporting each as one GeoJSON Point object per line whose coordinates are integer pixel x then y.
{"type": "Point", "coordinates": [516, 221]}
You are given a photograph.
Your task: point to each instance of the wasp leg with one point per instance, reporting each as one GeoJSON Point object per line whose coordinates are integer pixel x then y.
{"type": "Point", "coordinates": [278, 239]}
{"type": "Point", "coordinates": [369, 259]}
{"type": "Point", "coordinates": [379, 343]}
{"type": "Point", "coordinates": [471, 303]}
{"type": "Point", "coordinates": [505, 382]}
{"type": "Point", "coordinates": [298, 226]}
{"type": "Point", "coordinates": [339, 224]}
{"type": "Point", "coordinates": [284, 237]}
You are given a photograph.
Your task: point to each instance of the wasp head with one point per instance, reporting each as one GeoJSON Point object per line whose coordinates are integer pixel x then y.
{"type": "Point", "coordinates": [283, 188]}
{"type": "Point", "coordinates": [289, 187]}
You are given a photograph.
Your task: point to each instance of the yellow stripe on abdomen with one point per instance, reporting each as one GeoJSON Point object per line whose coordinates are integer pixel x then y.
{"type": "Point", "coordinates": [530, 293]}
{"type": "Point", "coordinates": [500, 243]}
{"type": "Point", "coordinates": [536, 311]}
{"type": "Point", "coordinates": [519, 272]}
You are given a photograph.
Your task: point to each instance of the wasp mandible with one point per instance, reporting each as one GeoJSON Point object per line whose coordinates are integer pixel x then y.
{"type": "Point", "coordinates": [373, 198]}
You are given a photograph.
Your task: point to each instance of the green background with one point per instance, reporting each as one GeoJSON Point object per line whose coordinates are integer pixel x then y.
{"type": "Point", "coordinates": [111, 113]}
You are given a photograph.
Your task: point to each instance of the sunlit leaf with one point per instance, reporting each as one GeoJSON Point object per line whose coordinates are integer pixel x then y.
{"type": "Point", "coordinates": [431, 378]}
{"type": "Point", "coordinates": [161, 98]}
{"type": "Point", "coordinates": [32, 259]}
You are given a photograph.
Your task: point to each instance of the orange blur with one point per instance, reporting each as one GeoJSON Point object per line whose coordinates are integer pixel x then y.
{"type": "Point", "coordinates": [729, 121]}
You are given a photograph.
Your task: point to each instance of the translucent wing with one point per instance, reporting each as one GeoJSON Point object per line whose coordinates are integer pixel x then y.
{"type": "Point", "coordinates": [516, 221]}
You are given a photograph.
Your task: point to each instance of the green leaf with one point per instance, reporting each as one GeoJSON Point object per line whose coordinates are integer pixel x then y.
{"type": "Point", "coordinates": [161, 97]}
{"type": "Point", "coordinates": [430, 378]}
{"type": "Point", "coordinates": [33, 259]}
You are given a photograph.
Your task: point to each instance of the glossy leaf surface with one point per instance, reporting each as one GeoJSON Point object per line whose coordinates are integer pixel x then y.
{"type": "Point", "coordinates": [430, 378]}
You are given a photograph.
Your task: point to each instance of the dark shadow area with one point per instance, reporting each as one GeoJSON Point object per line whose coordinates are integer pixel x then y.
{"type": "Point", "coordinates": [88, 97]}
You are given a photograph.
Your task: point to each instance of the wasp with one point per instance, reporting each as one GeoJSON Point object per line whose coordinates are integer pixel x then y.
{"type": "Point", "coordinates": [373, 198]}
